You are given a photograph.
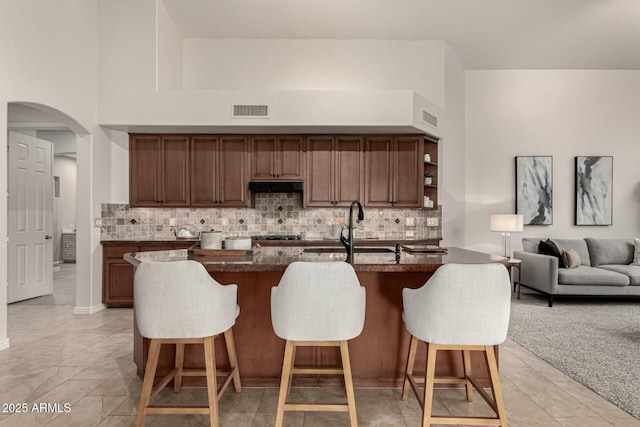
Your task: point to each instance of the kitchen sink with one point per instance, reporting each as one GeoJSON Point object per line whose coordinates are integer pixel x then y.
{"type": "Point", "coordinates": [342, 250]}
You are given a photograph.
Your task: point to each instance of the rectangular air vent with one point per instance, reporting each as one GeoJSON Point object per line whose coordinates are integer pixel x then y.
{"type": "Point", "coordinates": [243, 111]}
{"type": "Point", "coordinates": [430, 119]}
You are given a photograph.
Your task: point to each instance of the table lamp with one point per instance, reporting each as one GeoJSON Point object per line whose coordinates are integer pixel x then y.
{"type": "Point", "coordinates": [507, 223]}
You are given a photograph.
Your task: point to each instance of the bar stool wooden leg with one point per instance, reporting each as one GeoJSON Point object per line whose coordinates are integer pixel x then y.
{"type": "Point", "coordinates": [233, 360]}
{"type": "Point", "coordinates": [348, 383]}
{"type": "Point", "coordinates": [177, 381]}
{"type": "Point", "coordinates": [147, 384]}
{"type": "Point", "coordinates": [429, 382]}
{"type": "Point", "coordinates": [466, 358]}
{"type": "Point", "coordinates": [494, 376]}
{"type": "Point", "coordinates": [411, 360]}
{"type": "Point", "coordinates": [293, 364]}
{"type": "Point", "coordinates": [284, 381]}
{"type": "Point", "coordinates": [212, 386]}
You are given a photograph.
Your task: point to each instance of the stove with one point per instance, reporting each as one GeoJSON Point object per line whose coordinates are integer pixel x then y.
{"type": "Point", "coordinates": [277, 237]}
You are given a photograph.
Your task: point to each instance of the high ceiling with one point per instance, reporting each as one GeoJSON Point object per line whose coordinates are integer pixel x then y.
{"type": "Point", "coordinates": [484, 34]}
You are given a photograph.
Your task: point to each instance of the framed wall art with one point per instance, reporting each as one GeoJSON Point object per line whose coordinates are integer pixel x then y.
{"type": "Point", "coordinates": [594, 189]}
{"type": "Point", "coordinates": [534, 189]}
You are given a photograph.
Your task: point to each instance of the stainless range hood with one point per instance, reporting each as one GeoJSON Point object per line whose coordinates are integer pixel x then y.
{"type": "Point", "coordinates": [276, 186]}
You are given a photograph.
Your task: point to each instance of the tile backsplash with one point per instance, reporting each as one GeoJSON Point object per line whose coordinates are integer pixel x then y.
{"type": "Point", "coordinates": [274, 213]}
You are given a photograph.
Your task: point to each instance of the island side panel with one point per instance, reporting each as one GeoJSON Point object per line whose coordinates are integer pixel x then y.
{"type": "Point", "coordinates": [260, 351]}
{"type": "Point", "coordinates": [379, 354]}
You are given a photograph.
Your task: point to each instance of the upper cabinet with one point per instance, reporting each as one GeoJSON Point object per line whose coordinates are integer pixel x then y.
{"type": "Point", "coordinates": [277, 157]}
{"type": "Point", "coordinates": [219, 171]}
{"type": "Point", "coordinates": [431, 172]}
{"type": "Point", "coordinates": [158, 170]}
{"type": "Point", "coordinates": [182, 171]}
{"type": "Point", "coordinates": [394, 171]}
{"type": "Point", "coordinates": [334, 170]}
{"type": "Point", "coordinates": [214, 170]}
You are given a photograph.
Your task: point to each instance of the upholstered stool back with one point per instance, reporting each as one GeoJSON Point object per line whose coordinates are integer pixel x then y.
{"type": "Point", "coordinates": [180, 300]}
{"type": "Point", "coordinates": [460, 304]}
{"type": "Point", "coordinates": [318, 301]}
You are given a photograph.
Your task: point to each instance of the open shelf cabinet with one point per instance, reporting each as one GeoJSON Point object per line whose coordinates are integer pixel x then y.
{"type": "Point", "coordinates": [431, 166]}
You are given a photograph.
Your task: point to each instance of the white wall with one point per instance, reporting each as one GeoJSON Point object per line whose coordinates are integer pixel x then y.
{"type": "Point", "coordinates": [558, 113]}
{"type": "Point", "coordinates": [50, 58]}
{"type": "Point", "coordinates": [277, 64]}
{"type": "Point", "coordinates": [169, 51]}
{"type": "Point", "coordinates": [451, 187]}
{"type": "Point", "coordinates": [119, 173]}
{"type": "Point", "coordinates": [64, 207]}
{"type": "Point", "coordinates": [64, 141]}
{"type": "Point", "coordinates": [130, 31]}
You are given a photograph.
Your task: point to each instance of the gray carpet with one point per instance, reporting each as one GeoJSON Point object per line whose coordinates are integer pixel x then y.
{"type": "Point", "coordinates": [594, 341]}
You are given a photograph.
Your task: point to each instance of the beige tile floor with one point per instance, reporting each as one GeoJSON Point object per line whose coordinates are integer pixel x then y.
{"type": "Point", "coordinates": [86, 362]}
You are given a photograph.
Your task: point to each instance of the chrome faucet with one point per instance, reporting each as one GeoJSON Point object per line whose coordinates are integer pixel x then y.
{"type": "Point", "coordinates": [348, 242]}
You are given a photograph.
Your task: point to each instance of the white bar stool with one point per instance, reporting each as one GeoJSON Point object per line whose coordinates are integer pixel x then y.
{"type": "Point", "coordinates": [461, 307]}
{"type": "Point", "coordinates": [179, 303]}
{"type": "Point", "coordinates": [317, 304]}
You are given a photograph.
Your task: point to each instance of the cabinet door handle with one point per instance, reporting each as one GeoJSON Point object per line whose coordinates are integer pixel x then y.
{"type": "Point", "coordinates": [48, 237]}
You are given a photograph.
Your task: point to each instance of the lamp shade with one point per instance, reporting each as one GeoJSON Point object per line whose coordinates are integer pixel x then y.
{"type": "Point", "coordinates": [506, 222]}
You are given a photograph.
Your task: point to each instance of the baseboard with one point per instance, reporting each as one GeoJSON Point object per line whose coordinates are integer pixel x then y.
{"type": "Point", "coordinates": [89, 310]}
{"type": "Point", "coordinates": [4, 344]}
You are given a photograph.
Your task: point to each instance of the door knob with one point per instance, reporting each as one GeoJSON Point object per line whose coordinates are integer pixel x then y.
{"type": "Point", "coordinates": [48, 236]}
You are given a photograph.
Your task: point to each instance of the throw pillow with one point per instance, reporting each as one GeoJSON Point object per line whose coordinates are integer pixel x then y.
{"type": "Point", "coordinates": [636, 253]}
{"type": "Point", "coordinates": [547, 247]}
{"type": "Point", "coordinates": [571, 258]}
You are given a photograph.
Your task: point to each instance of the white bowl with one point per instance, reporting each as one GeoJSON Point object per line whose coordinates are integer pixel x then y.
{"type": "Point", "coordinates": [239, 243]}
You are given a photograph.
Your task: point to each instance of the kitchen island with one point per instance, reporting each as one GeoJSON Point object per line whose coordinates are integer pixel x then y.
{"type": "Point", "coordinates": [378, 355]}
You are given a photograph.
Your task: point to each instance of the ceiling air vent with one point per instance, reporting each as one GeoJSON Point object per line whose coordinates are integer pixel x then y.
{"type": "Point", "coordinates": [250, 111]}
{"type": "Point", "coordinates": [430, 119]}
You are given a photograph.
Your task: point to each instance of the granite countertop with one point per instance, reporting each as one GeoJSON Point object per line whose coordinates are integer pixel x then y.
{"type": "Point", "coordinates": [286, 243]}
{"type": "Point", "coordinates": [149, 240]}
{"type": "Point", "coordinates": [277, 258]}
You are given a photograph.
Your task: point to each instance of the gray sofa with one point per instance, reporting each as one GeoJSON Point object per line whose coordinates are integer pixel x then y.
{"type": "Point", "coordinates": [605, 268]}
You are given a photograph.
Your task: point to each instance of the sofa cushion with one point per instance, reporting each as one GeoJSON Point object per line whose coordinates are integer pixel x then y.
{"type": "Point", "coordinates": [636, 253]}
{"type": "Point", "coordinates": [530, 244]}
{"type": "Point", "coordinates": [585, 275]}
{"type": "Point", "coordinates": [579, 245]}
{"type": "Point", "coordinates": [632, 271]}
{"type": "Point", "coordinates": [571, 258]}
{"type": "Point", "coordinates": [610, 251]}
{"type": "Point", "coordinates": [547, 247]}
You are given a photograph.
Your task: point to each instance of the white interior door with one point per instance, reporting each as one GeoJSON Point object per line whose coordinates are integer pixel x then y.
{"type": "Point", "coordinates": [30, 217]}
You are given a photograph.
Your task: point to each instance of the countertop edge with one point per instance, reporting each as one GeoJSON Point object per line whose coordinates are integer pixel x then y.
{"type": "Point", "coordinates": [362, 242]}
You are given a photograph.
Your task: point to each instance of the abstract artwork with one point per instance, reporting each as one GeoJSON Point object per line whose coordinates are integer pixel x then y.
{"type": "Point", "coordinates": [594, 182]}
{"type": "Point", "coordinates": [534, 185]}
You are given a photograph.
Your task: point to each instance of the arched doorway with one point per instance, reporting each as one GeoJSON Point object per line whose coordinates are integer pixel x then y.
{"type": "Point", "coordinates": [44, 121]}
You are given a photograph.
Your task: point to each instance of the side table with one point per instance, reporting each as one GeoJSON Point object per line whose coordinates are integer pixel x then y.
{"type": "Point", "coordinates": [515, 263]}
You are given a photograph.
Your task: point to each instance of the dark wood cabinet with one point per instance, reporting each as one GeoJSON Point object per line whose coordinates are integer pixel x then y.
{"type": "Point", "coordinates": [393, 171]}
{"type": "Point", "coordinates": [431, 168]}
{"type": "Point", "coordinates": [117, 274]}
{"type": "Point", "coordinates": [219, 166]}
{"type": "Point", "coordinates": [214, 170]}
{"type": "Point", "coordinates": [334, 170]}
{"type": "Point", "coordinates": [277, 157]}
{"type": "Point", "coordinates": [158, 170]}
{"type": "Point", "coordinates": [407, 174]}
